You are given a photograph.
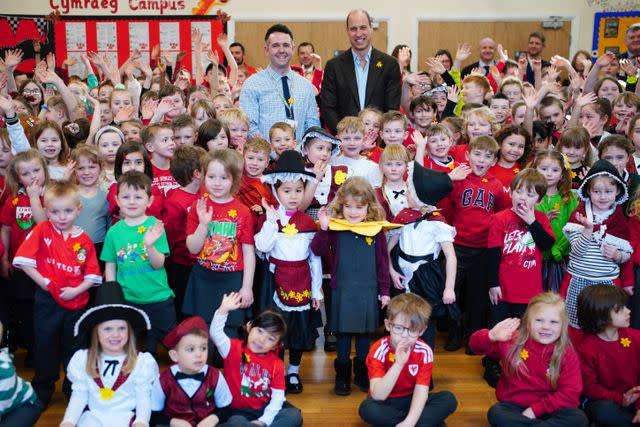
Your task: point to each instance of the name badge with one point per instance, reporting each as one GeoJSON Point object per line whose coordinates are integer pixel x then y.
{"type": "Point", "coordinates": [292, 123]}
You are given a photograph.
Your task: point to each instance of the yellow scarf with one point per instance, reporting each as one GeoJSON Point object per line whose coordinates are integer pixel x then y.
{"type": "Point", "coordinates": [369, 229]}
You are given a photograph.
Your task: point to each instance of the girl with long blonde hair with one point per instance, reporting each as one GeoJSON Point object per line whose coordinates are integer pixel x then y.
{"type": "Point", "coordinates": [541, 372]}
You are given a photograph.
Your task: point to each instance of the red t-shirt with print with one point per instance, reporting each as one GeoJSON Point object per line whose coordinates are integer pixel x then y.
{"type": "Point", "coordinates": [231, 226]}
{"type": "Point", "coordinates": [251, 383]}
{"type": "Point", "coordinates": [520, 274]}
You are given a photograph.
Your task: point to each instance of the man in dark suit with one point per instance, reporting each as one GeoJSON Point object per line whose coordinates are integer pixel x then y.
{"type": "Point", "coordinates": [535, 46]}
{"type": "Point", "coordinates": [360, 77]}
{"type": "Point", "coordinates": [632, 41]}
{"type": "Point", "coordinates": [486, 51]}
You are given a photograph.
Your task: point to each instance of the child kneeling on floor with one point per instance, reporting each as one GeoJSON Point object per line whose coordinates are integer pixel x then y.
{"type": "Point", "coordinates": [400, 367]}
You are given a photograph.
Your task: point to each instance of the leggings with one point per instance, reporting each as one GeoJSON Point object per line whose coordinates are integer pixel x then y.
{"type": "Point", "coordinates": [343, 346]}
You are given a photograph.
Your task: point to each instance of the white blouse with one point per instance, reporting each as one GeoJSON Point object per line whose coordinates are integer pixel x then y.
{"type": "Point", "coordinates": [295, 248]}
{"type": "Point", "coordinates": [421, 240]}
{"type": "Point", "coordinates": [132, 398]}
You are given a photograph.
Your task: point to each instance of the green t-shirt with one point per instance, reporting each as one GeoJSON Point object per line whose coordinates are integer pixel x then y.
{"type": "Point", "coordinates": [561, 247]}
{"type": "Point", "coordinates": [141, 283]}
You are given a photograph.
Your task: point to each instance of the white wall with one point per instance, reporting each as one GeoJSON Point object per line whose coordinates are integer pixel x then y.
{"type": "Point", "coordinates": [402, 15]}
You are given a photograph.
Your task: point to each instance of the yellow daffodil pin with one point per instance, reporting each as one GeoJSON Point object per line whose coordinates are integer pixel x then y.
{"type": "Point", "coordinates": [339, 177]}
{"type": "Point", "coordinates": [289, 230]}
{"type": "Point", "coordinates": [106, 393]}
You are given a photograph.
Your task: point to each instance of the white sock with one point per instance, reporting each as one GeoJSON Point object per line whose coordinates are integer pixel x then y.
{"type": "Point", "coordinates": [293, 370]}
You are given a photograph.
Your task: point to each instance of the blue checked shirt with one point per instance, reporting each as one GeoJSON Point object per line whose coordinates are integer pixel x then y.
{"type": "Point", "coordinates": [262, 100]}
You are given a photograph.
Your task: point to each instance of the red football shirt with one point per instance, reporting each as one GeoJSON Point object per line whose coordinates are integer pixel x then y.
{"type": "Point", "coordinates": [504, 175]}
{"type": "Point", "coordinates": [66, 263]}
{"type": "Point", "coordinates": [417, 370]}
{"type": "Point", "coordinates": [17, 214]}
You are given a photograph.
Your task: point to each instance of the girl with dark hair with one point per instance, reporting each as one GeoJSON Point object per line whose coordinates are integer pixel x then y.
{"type": "Point", "coordinates": [252, 368]}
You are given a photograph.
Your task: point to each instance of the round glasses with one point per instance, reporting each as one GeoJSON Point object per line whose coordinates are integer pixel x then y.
{"type": "Point", "coordinates": [399, 329]}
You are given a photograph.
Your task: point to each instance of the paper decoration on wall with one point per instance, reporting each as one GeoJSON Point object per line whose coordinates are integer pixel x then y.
{"type": "Point", "coordinates": [205, 5]}
{"type": "Point", "coordinates": [19, 32]}
{"type": "Point", "coordinates": [609, 30]}
{"type": "Point", "coordinates": [76, 46]}
{"type": "Point", "coordinates": [117, 37]}
{"type": "Point", "coordinates": [139, 39]}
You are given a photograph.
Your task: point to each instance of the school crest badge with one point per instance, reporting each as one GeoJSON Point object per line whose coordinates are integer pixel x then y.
{"type": "Point", "coordinates": [413, 369]}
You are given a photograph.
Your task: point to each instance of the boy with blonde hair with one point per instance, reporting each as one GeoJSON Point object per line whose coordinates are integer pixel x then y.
{"type": "Point", "coordinates": [61, 259]}
{"type": "Point", "coordinates": [351, 135]}
{"type": "Point", "coordinates": [400, 367]}
{"type": "Point", "coordinates": [238, 124]}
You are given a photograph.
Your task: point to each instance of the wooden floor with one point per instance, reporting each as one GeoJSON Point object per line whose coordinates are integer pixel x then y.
{"type": "Point", "coordinates": [456, 372]}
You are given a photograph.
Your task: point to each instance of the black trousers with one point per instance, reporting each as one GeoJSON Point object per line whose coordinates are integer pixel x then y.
{"type": "Point", "coordinates": [289, 416]}
{"type": "Point", "coordinates": [392, 411]}
{"type": "Point", "coordinates": [506, 414]}
{"type": "Point", "coordinates": [54, 344]}
{"type": "Point", "coordinates": [16, 309]}
{"type": "Point", "coordinates": [504, 310]}
{"type": "Point", "coordinates": [163, 319]}
{"type": "Point", "coordinates": [472, 292]}
{"type": "Point", "coordinates": [606, 413]}
{"type": "Point", "coordinates": [178, 275]}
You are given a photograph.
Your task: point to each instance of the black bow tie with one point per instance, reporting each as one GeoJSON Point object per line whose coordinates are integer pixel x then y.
{"type": "Point", "coordinates": [396, 194]}
{"type": "Point", "coordinates": [111, 364]}
{"type": "Point", "coordinates": [182, 376]}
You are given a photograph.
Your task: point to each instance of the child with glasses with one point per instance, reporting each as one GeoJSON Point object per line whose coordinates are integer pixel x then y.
{"type": "Point", "coordinates": [400, 367]}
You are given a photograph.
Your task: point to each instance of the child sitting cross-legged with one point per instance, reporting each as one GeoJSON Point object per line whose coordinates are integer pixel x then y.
{"type": "Point", "coordinates": [190, 391]}
{"type": "Point", "coordinates": [20, 404]}
{"type": "Point", "coordinates": [400, 367]}
{"type": "Point", "coordinates": [609, 357]}
{"type": "Point", "coordinates": [541, 370]}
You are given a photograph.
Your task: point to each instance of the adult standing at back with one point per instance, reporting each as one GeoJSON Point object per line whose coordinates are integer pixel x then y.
{"type": "Point", "coordinates": [535, 46]}
{"type": "Point", "coordinates": [486, 52]}
{"type": "Point", "coordinates": [632, 42]}
{"type": "Point", "coordinates": [360, 77]}
{"type": "Point", "coordinates": [277, 94]}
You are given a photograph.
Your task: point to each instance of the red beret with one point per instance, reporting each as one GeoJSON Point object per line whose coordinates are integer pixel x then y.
{"type": "Point", "coordinates": [173, 338]}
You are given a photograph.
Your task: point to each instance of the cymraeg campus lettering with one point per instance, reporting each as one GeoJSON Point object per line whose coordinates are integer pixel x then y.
{"type": "Point", "coordinates": [112, 6]}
